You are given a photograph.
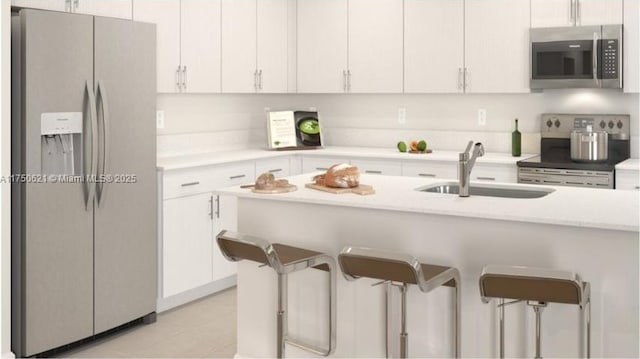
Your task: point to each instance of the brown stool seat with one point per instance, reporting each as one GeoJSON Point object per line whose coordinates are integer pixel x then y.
{"type": "Point", "coordinates": [284, 259]}
{"type": "Point", "coordinates": [397, 269]}
{"type": "Point", "coordinates": [534, 284]}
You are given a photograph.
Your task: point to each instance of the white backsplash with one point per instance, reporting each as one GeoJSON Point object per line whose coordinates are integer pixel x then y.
{"type": "Point", "coordinates": [218, 122]}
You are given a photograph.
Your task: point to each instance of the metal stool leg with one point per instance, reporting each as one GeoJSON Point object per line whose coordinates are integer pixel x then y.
{"type": "Point", "coordinates": [404, 337]}
{"type": "Point", "coordinates": [501, 306]}
{"type": "Point", "coordinates": [457, 320]}
{"type": "Point", "coordinates": [538, 311]}
{"type": "Point", "coordinates": [282, 314]}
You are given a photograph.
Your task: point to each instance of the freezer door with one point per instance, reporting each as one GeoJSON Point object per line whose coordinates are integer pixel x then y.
{"type": "Point", "coordinates": [125, 214]}
{"type": "Point", "coordinates": [52, 232]}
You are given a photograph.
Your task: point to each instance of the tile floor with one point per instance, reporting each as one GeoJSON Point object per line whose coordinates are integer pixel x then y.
{"type": "Point", "coordinates": [202, 329]}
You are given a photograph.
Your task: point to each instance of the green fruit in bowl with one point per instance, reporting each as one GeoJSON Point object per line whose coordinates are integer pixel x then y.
{"type": "Point", "coordinates": [402, 147]}
{"type": "Point", "coordinates": [422, 146]}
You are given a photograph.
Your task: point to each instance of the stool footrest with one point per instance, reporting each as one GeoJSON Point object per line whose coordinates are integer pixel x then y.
{"type": "Point", "coordinates": [308, 347]}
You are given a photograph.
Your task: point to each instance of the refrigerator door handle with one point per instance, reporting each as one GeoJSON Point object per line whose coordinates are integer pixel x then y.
{"type": "Point", "coordinates": [90, 175]}
{"type": "Point", "coordinates": [103, 128]}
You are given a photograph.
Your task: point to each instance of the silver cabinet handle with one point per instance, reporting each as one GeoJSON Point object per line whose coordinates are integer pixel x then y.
{"type": "Point", "coordinates": [255, 80]}
{"type": "Point", "coordinates": [259, 79]}
{"type": "Point", "coordinates": [184, 77]}
{"type": "Point", "coordinates": [636, 187]}
{"type": "Point", "coordinates": [595, 58]}
{"type": "Point", "coordinates": [190, 184]}
{"type": "Point", "coordinates": [460, 76]}
{"type": "Point", "coordinates": [344, 80]}
{"type": "Point", "coordinates": [486, 178]}
{"type": "Point", "coordinates": [275, 170]}
{"type": "Point", "coordinates": [426, 175]}
{"type": "Point", "coordinates": [91, 143]}
{"type": "Point", "coordinates": [322, 168]}
{"type": "Point", "coordinates": [373, 172]}
{"type": "Point", "coordinates": [178, 84]}
{"type": "Point", "coordinates": [211, 207]}
{"type": "Point", "coordinates": [218, 206]}
{"type": "Point", "coordinates": [349, 80]}
{"type": "Point", "coordinates": [237, 176]}
{"type": "Point", "coordinates": [103, 129]}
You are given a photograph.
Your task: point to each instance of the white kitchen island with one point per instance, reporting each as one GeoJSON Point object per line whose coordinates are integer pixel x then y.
{"type": "Point", "coordinates": [591, 232]}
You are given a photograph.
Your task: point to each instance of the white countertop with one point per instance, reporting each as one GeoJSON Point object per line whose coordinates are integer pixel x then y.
{"type": "Point", "coordinates": [215, 158]}
{"type": "Point", "coordinates": [566, 206]}
{"type": "Point", "coordinates": [632, 164]}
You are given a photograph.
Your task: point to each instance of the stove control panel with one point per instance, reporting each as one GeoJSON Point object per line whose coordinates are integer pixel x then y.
{"type": "Point", "coordinates": [555, 125]}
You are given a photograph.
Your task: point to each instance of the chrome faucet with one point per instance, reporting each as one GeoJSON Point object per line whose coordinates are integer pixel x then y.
{"type": "Point", "coordinates": [465, 164]}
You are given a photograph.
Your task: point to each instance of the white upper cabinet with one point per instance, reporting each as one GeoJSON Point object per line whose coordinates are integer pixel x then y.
{"type": "Point", "coordinates": [375, 46]}
{"type": "Point", "coordinates": [551, 13]}
{"type": "Point", "coordinates": [433, 46]}
{"type": "Point", "coordinates": [631, 51]}
{"type": "Point", "coordinates": [55, 5]}
{"type": "Point", "coordinates": [200, 46]}
{"type": "Point", "coordinates": [599, 12]}
{"type": "Point", "coordinates": [113, 8]}
{"type": "Point", "coordinates": [497, 46]}
{"type": "Point", "coordinates": [272, 41]}
{"type": "Point", "coordinates": [255, 51]}
{"type": "Point", "coordinates": [239, 71]}
{"type": "Point", "coordinates": [188, 43]}
{"type": "Point", "coordinates": [166, 15]}
{"type": "Point", "coordinates": [322, 46]}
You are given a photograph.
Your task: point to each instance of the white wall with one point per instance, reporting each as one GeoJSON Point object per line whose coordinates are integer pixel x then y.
{"type": "Point", "coordinates": [445, 121]}
{"type": "Point", "coordinates": [5, 168]}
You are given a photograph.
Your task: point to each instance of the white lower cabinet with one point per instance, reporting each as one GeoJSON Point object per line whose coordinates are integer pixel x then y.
{"type": "Point", "coordinates": [378, 167]}
{"type": "Point", "coordinates": [444, 170]}
{"type": "Point", "coordinates": [315, 164]}
{"type": "Point", "coordinates": [187, 243]}
{"type": "Point", "coordinates": [226, 218]}
{"type": "Point", "coordinates": [627, 180]}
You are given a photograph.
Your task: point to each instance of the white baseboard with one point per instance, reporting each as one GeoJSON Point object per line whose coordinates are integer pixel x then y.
{"type": "Point", "coordinates": [164, 304]}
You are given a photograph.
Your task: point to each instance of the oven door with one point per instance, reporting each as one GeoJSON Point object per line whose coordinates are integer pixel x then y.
{"type": "Point", "coordinates": [565, 57]}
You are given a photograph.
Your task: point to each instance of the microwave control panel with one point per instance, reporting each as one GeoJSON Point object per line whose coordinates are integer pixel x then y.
{"type": "Point", "coordinates": [610, 58]}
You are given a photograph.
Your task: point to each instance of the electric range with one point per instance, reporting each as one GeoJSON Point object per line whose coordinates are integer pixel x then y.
{"type": "Point", "coordinates": [554, 165]}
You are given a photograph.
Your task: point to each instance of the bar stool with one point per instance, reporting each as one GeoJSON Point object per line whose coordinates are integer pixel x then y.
{"type": "Point", "coordinates": [536, 286]}
{"type": "Point", "coordinates": [284, 259]}
{"type": "Point", "coordinates": [400, 270]}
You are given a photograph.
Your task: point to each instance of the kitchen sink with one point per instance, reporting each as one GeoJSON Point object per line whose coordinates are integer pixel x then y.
{"type": "Point", "coordinates": [488, 190]}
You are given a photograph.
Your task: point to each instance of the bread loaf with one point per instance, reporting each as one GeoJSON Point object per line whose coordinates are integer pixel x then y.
{"type": "Point", "coordinates": [267, 181]}
{"type": "Point", "coordinates": [341, 175]}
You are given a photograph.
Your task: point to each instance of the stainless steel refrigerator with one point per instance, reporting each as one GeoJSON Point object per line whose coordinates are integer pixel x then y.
{"type": "Point", "coordinates": [84, 254]}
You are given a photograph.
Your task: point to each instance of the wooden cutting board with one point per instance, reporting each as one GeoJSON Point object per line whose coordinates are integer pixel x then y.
{"type": "Point", "coordinates": [362, 189]}
{"type": "Point", "coordinates": [286, 189]}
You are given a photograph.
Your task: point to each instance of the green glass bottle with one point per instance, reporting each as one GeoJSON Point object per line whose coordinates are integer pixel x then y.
{"type": "Point", "coordinates": [516, 142]}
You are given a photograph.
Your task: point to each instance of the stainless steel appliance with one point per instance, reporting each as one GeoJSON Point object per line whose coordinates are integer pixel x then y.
{"type": "Point", "coordinates": [555, 167]}
{"type": "Point", "coordinates": [581, 56]}
{"type": "Point", "coordinates": [83, 211]}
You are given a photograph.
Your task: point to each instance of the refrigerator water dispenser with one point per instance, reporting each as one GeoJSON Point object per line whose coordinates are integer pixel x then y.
{"type": "Point", "coordinates": [61, 141]}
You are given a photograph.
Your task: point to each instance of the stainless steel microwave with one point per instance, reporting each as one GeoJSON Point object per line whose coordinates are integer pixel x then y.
{"type": "Point", "coordinates": [576, 57]}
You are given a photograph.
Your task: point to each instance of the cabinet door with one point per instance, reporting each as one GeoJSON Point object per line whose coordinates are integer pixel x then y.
{"type": "Point", "coordinates": [56, 5]}
{"type": "Point", "coordinates": [272, 40]}
{"type": "Point", "coordinates": [433, 46]}
{"type": "Point", "coordinates": [375, 46]}
{"type": "Point", "coordinates": [631, 47]}
{"type": "Point", "coordinates": [226, 219]}
{"type": "Point", "coordinates": [322, 46]}
{"type": "Point", "coordinates": [627, 180]}
{"type": "Point", "coordinates": [497, 46]}
{"type": "Point", "coordinates": [186, 243]}
{"type": "Point", "coordinates": [600, 12]}
{"type": "Point", "coordinates": [552, 13]}
{"type": "Point", "coordinates": [200, 45]}
{"type": "Point", "coordinates": [121, 9]}
{"type": "Point", "coordinates": [239, 46]}
{"type": "Point", "coordinates": [166, 15]}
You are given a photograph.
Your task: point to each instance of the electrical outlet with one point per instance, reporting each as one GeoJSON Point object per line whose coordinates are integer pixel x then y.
{"type": "Point", "coordinates": [482, 117]}
{"type": "Point", "coordinates": [402, 115]}
{"type": "Point", "coordinates": [159, 119]}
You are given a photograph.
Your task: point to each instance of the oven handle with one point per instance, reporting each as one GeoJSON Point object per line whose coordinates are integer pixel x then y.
{"type": "Point", "coordinates": [594, 51]}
